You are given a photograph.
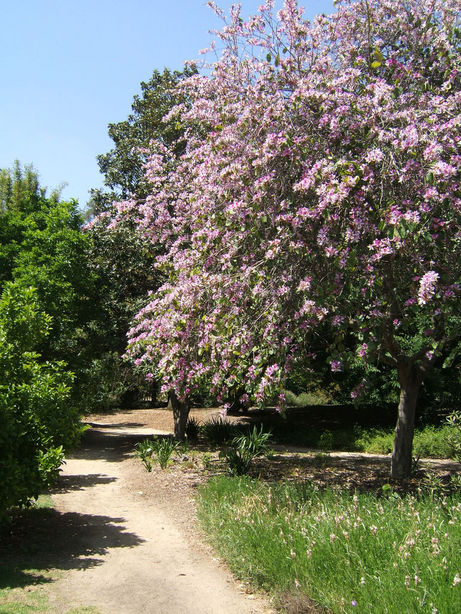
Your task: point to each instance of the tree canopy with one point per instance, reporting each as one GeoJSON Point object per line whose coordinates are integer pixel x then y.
{"type": "Point", "coordinates": [324, 189]}
{"type": "Point", "coordinates": [123, 166]}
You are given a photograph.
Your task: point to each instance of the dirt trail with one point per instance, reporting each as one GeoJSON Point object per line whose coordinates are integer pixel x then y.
{"type": "Point", "coordinates": [134, 556]}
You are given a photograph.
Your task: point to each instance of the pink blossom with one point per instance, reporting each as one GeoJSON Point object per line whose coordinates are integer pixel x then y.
{"type": "Point", "coordinates": [427, 287]}
{"type": "Point", "coordinates": [336, 365]}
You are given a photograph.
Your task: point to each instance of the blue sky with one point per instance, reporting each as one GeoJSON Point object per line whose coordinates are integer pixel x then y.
{"type": "Point", "coordinates": [70, 67]}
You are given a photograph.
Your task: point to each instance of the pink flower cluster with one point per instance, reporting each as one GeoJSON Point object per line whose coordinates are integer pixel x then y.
{"type": "Point", "coordinates": [322, 180]}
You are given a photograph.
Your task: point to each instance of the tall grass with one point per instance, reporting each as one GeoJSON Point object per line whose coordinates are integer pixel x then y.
{"type": "Point", "coordinates": [360, 553]}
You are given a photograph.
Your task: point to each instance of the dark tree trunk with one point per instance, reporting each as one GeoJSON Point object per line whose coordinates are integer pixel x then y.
{"type": "Point", "coordinates": [410, 382]}
{"type": "Point", "coordinates": [180, 415]}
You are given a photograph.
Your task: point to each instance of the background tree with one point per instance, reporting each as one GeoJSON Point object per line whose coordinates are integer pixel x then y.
{"type": "Point", "coordinates": [122, 258]}
{"type": "Point", "coordinates": [326, 190]}
{"type": "Point", "coordinates": [123, 165]}
{"type": "Point", "coordinates": [42, 246]}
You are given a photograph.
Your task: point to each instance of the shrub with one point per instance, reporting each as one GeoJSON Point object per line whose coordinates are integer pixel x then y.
{"type": "Point", "coordinates": [454, 434]}
{"type": "Point", "coordinates": [218, 430]}
{"type": "Point", "coordinates": [37, 419]}
{"type": "Point", "coordinates": [144, 450]}
{"type": "Point", "coordinates": [161, 447]}
{"type": "Point", "coordinates": [192, 429]}
{"type": "Point", "coordinates": [245, 449]}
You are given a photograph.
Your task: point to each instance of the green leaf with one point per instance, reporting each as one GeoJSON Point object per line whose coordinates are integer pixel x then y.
{"type": "Point", "coordinates": [375, 64]}
{"type": "Point", "coordinates": [378, 55]}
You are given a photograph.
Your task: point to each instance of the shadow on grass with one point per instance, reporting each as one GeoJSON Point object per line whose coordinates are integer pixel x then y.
{"type": "Point", "coordinates": [41, 539]}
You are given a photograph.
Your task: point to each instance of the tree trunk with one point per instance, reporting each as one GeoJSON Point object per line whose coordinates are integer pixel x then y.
{"type": "Point", "coordinates": [410, 382]}
{"type": "Point", "coordinates": [180, 415]}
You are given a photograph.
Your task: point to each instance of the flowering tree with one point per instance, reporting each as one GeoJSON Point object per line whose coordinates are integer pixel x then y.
{"type": "Point", "coordinates": [324, 188]}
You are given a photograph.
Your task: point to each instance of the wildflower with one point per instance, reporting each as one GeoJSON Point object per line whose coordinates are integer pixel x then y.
{"type": "Point", "coordinates": [457, 580]}
{"type": "Point", "coordinates": [353, 602]}
{"type": "Point", "coordinates": [332, 537]}
{"type": "Point", "coordinates": [297, 583]}
{"type": "Point", "coordinates": [362, 580]}
{"type": "Point", "coordinates": [374, 529]}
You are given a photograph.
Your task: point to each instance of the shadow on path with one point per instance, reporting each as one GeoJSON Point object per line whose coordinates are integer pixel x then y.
{"type": "Point", "coordinates": [68, 483]}
{"type": "Point", "coordinates": [42, 539]}
{"type": "Point", "coordinates": [111, 447]}
{"type": "Point", "coordinates": [115, 425]}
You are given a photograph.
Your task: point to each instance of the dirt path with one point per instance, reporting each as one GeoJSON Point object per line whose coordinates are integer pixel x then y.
{"type": "Point", "coordinates": [136, 552]}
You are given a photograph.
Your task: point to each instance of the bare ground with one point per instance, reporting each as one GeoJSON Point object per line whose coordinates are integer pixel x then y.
{"type": "Point", "coordinates": [140, 549]}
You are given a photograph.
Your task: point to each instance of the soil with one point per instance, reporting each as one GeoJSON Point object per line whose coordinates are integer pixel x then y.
{"type": "Point", "coordinates": [140, 547]}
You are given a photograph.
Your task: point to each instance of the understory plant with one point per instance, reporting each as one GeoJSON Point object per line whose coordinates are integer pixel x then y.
{"type": "Point", "coordinates": [244, 449]}
{"type": "Point", "coordinates": [454, 436]}
{"type": "Point", "coordinates": [218, 430]}
{"type": "Point", "coordinates": [160, 448]}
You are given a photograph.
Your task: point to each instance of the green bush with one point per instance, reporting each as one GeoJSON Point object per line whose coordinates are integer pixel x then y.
{"type": "Point", "coordinates": [160, 447]}
{"type": "Point", "coordinates": [218, 430]}
{"type": "Point", "coordinates": [245, 449]}
{"type": "Point", "coordinates": [454, 435]}
{"type": "Point", "coordinates": [37, 420]}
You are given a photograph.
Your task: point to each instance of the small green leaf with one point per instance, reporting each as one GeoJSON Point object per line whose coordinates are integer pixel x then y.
{"type": "Point", "coordinates": [375, 64]}
{"type": "Point", "coordinates": [378, 55]}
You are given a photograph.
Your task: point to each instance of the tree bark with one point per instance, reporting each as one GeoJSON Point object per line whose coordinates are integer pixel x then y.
{"type": "Point", "coordinates": [410, 382]}
{"type": "Point", "coordinates": [180, 415]}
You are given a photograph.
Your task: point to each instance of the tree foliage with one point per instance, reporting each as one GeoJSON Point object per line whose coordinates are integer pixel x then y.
{"type": "Point", "coordinates": [36, 413]}
{"type": "Point", "coordinates": [122, 258]}
{"type": "Point", "coordinates": [324, 191]}
{"type": "Point", "coordinates": [123, 165]}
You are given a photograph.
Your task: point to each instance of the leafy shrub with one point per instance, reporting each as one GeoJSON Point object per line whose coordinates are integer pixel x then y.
{"type": "Point", "coordinates": [432, 442]}
{"type": "Point", "coordinates": [192, 429]}
{"type": "Point", "coordinates": [37, 419]}
{"type": "Point", "coordinates": [144, 450]}
{"type": "Point", "coordinates": [326, 440]}
{"type": "Point", "coordinates": [218, 430]}
{"type": "Point", "coordinates": [164, 448]}
{"type": "Point", "coordinates": [245, 449]}
{"type": "Point", "coordinates": [49, 465]}
{"type": "Point", "coordinates": [161, 447]}
{"type": "Point", "coordinates": [454, 434]}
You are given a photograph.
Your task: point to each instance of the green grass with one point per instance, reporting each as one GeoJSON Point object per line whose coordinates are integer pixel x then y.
{"type": "Point", "coordinates": [387, 555]}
